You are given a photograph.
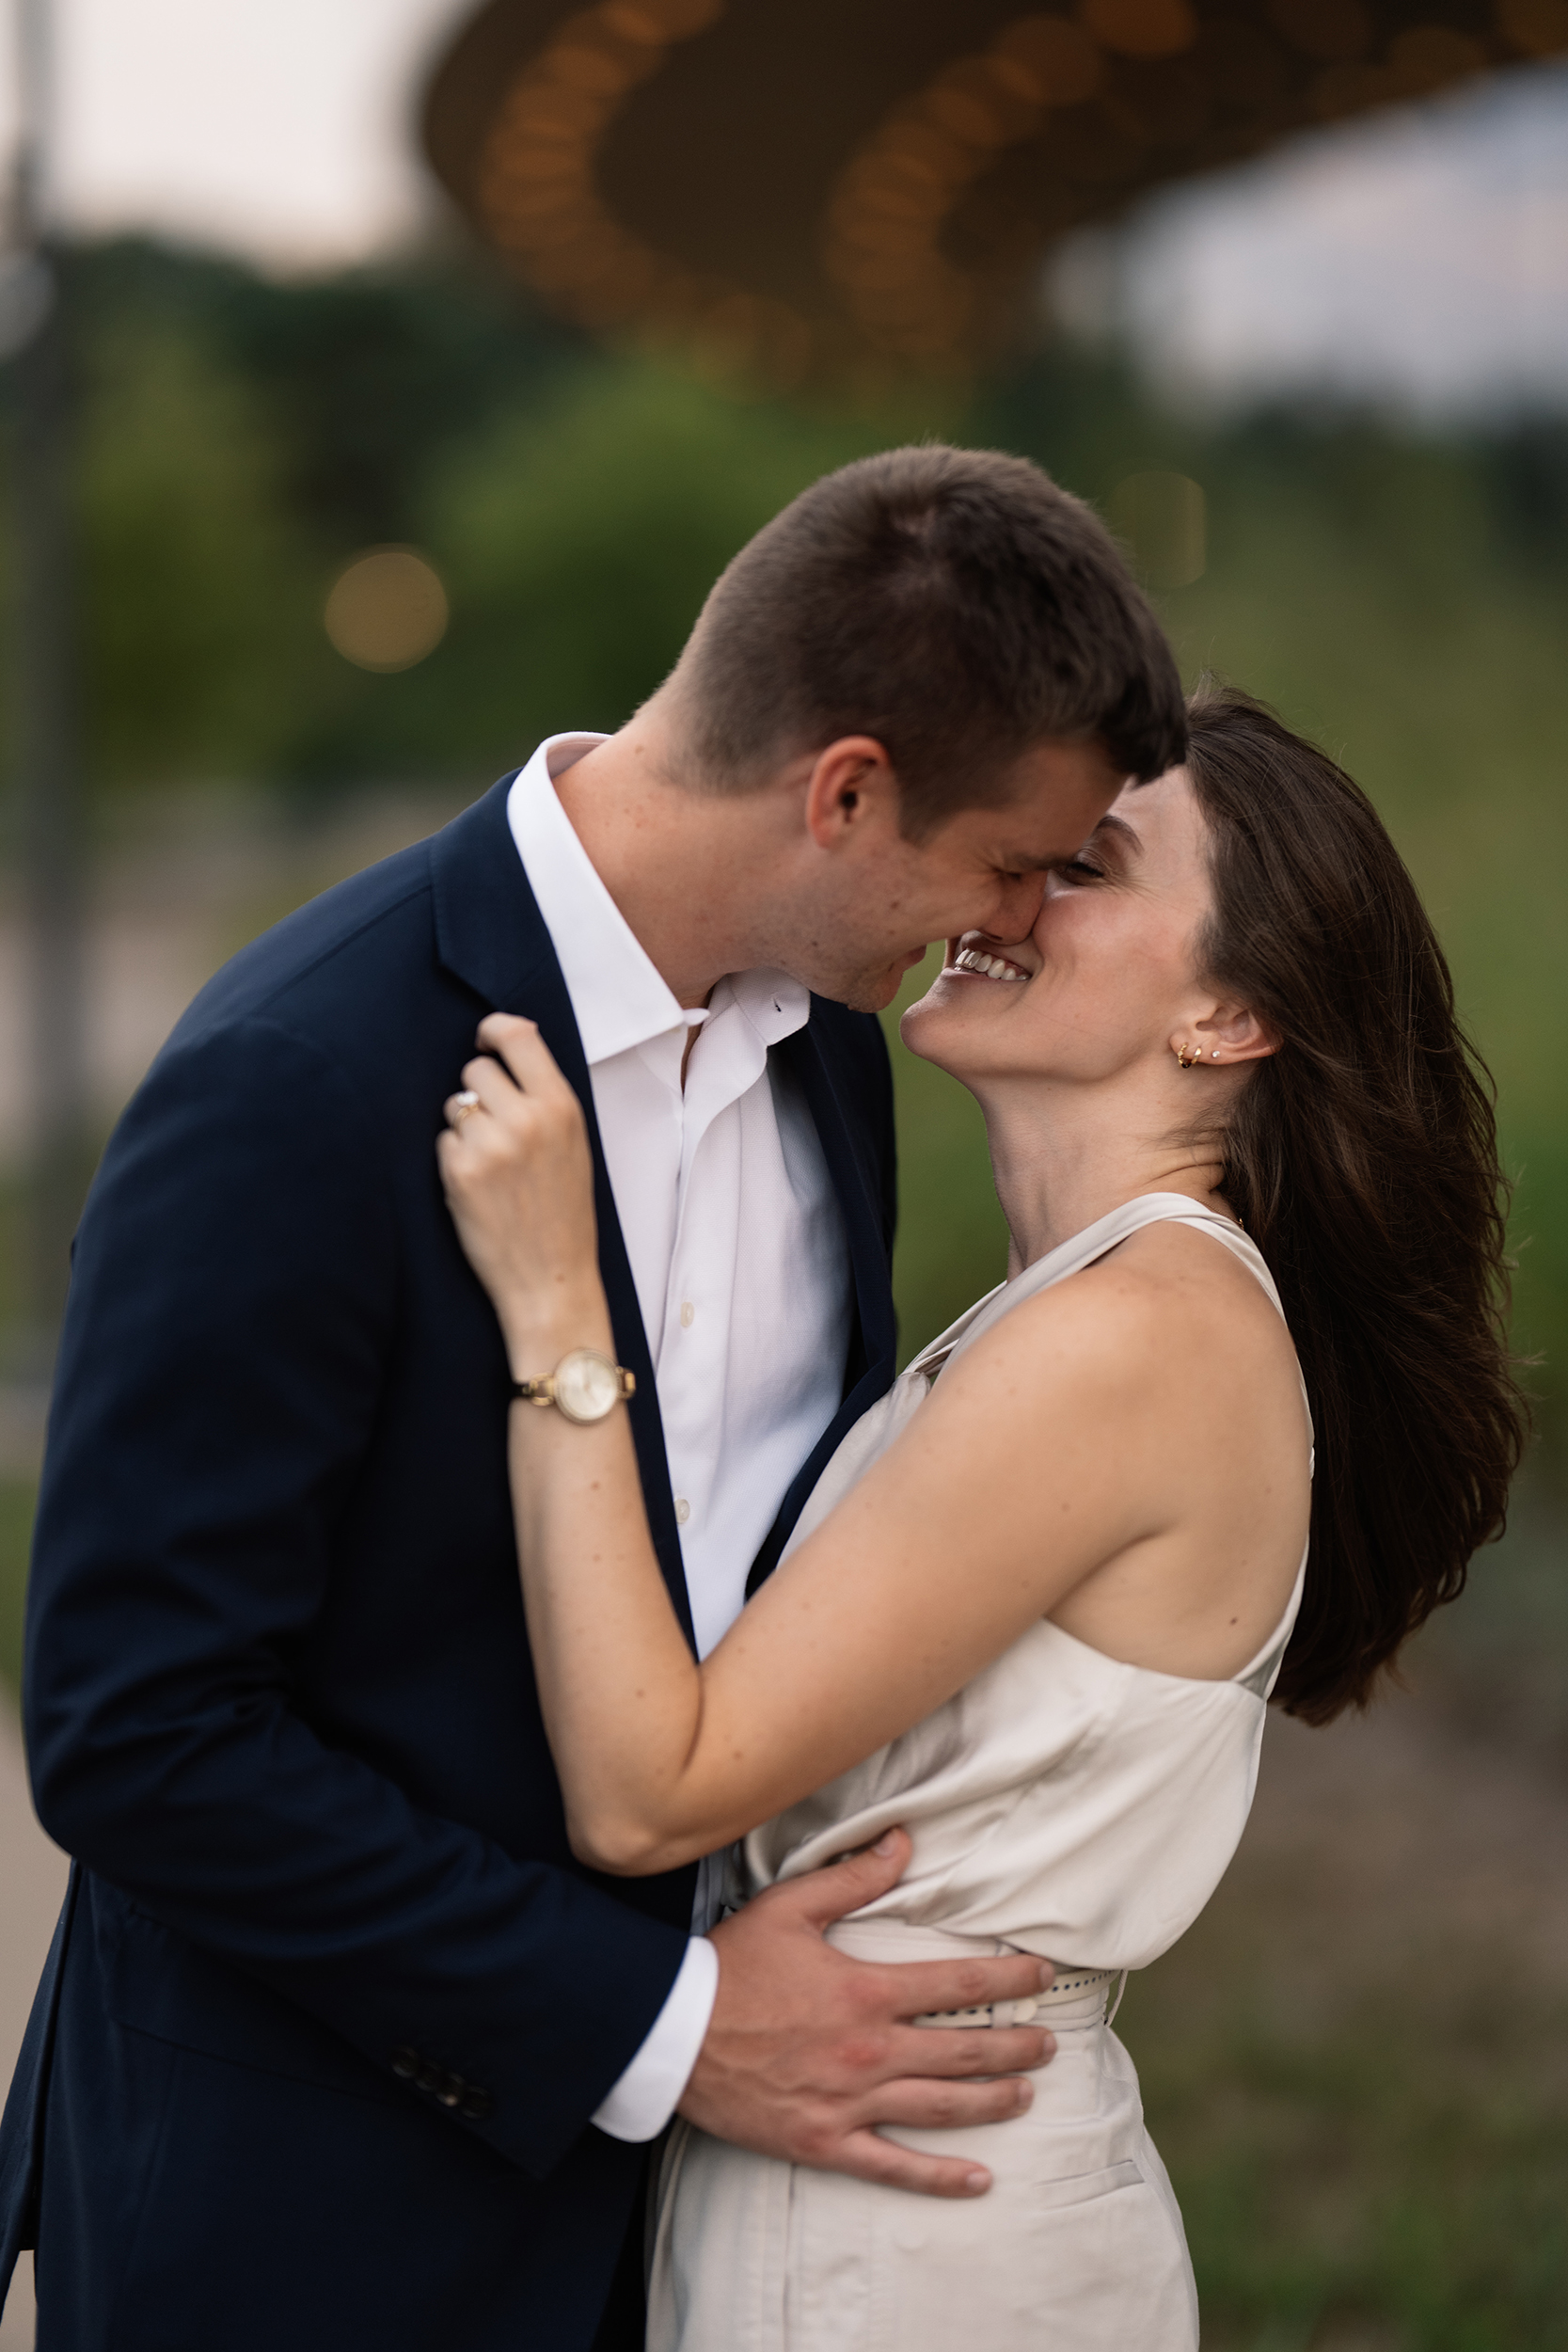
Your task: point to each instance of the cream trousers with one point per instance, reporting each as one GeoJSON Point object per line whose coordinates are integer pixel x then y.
{"type": "Point", "coordinates": [1077, 2247]}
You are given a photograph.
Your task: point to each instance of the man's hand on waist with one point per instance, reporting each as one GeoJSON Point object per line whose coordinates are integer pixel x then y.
{"type": "Point", "coordinates": [809, 2051]}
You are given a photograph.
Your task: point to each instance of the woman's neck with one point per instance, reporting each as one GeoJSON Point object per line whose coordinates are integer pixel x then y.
{"type": "Point", "coordinates": [1064, 1156]}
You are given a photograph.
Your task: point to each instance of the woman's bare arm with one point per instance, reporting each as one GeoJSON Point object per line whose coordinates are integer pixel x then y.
{"type": "Point", "coordinates": [1062, 1441]}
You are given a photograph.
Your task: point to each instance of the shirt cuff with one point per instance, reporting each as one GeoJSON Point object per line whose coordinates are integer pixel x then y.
{"type": "Point", "coordinates": [639, 2105]}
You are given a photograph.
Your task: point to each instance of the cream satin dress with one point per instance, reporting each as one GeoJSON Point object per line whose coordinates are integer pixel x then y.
{"type": "Point", "coordinates": [1062, 1803]}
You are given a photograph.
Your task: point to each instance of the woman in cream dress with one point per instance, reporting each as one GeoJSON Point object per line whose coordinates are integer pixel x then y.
{"type": "Point", "coordinates": [1033, 1615]}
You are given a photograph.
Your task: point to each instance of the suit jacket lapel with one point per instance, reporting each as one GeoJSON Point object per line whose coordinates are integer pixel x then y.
{"type": "Point", "coordinates": [490, 933]}
{"type": "Point", "coordinates": [812, 1054]}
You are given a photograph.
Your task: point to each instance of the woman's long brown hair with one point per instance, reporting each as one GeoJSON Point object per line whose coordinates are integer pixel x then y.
{"type": "Point", "coordinates": [1363, 1159]}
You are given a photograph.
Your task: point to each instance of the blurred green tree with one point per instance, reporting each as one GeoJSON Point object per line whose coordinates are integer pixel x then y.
{"type": "Point", "coordinates": [198, 579]}
{"type": "Point", "coordinates": [622, 499]}
{"type": "Point", "coordinates": [1403, 596]}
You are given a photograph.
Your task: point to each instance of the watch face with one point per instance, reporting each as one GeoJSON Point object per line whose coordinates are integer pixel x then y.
{"type": "Point", "coordinates": [586, 1386]}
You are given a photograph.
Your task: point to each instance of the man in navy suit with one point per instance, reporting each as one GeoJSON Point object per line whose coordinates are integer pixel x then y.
{"type": "Point", "coordinates": [337, 2044]}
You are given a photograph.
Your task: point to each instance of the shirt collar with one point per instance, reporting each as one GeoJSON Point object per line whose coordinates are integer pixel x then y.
{"type": "Point", "coordinates": [774, 1005]}
{"type": "Point", "coordinates": [617, 995]}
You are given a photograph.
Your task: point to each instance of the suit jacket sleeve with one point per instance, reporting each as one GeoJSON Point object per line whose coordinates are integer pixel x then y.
{"type": "Point", "coordinates": [232, 1306]}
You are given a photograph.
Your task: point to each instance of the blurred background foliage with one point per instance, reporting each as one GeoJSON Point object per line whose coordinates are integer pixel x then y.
{"type": "Point", "coordinates": [1401, 594]}
{"type": "Point", "coordinates": [1402, 597]}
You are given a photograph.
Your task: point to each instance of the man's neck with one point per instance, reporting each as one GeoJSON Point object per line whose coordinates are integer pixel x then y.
{"type": "Point", "coordinates": [669, 857]}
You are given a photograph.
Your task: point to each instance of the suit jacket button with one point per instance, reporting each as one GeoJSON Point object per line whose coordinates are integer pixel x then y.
{"type": "Point", "coordinates": [451, 2090]}
{"type": "Point", "coordinates": [405, 2064]}
{"type": "Point", "coordinates": [430, 2077]}
{"type": "Point", "coordinates": [476, 2104]}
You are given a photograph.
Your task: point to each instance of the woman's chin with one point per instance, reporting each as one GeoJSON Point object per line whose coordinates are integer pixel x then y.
{"type": "Point", "coordinates": [934, 1026]}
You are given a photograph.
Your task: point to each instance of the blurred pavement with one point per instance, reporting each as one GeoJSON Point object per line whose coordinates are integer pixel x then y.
{"type": "Point", "coordinates": [33, 1874]}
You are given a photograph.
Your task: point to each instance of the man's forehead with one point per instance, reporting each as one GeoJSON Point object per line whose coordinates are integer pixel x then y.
{"type": "Point", "coordinates": [1053, 828]}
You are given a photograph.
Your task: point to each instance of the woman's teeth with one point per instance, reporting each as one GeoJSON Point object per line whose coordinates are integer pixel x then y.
{"type": "Point", "coordinates": [988, 967]}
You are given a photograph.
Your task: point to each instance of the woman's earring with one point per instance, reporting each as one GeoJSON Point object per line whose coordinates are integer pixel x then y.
{"type": "Point", "coordinates": [1217, 1054]}
{"type": "Point", "coordinates": [1188, 1055]}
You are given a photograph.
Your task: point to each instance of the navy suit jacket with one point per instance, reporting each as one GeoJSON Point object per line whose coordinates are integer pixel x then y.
{"type": "Point", "coordinates": [332, 2003]}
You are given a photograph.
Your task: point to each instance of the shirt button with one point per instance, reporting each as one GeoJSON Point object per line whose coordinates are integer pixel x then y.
{"type": "Point", "coordinates": [688, 1314]}
{"type": "Point", "coordinates": [683, 1510]}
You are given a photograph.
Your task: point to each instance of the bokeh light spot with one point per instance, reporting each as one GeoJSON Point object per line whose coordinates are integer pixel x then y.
{"type": "Point", "coordinates": [387, 610]}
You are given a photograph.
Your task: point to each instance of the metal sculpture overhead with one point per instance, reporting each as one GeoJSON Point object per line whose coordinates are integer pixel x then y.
{"type": "Point", "coordinates": [831, 188]}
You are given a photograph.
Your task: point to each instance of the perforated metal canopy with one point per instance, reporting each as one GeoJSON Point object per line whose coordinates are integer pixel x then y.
{"type": "Point", "coordinates": [831, 188]}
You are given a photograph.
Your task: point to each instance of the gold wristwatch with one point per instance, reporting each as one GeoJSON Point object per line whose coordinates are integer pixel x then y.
{"type": "Point", "coordinates": [584, 1386]}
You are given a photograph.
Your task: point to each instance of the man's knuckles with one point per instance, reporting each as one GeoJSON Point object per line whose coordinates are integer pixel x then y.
{"type": "Point", "coordinates": [871, 1992]}
{"type": "Point", "coordinates": [864, 2050]}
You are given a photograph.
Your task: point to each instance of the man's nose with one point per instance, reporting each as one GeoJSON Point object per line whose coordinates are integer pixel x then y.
{"type": "Point", "coordinates": [1019, 910]}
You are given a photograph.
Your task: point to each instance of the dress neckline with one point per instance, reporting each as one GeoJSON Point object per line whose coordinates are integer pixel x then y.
{"type": "Point", "coordinates": [1081, 1250]}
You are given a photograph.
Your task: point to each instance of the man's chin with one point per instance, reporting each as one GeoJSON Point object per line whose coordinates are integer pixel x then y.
{"type": "Point", "coordinates": [862, 991]}
{"type": "Point", "coordinates": [869, 991]}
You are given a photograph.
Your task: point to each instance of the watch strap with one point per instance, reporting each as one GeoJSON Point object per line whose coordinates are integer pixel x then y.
{"type": "Point", "coordinates": [542, 1392]}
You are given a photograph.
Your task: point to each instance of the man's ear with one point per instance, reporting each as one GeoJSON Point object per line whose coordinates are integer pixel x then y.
{"type": "Point", "coordinates": [850, 782]}
{"type": "Point", "coordinates": [1233, 1033]}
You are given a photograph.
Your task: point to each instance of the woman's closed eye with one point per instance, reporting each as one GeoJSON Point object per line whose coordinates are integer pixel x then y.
{"type": "Point", "coordinates": [1076, 871]}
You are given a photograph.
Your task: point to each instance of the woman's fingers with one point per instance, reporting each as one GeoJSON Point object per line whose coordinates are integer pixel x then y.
{"type": "Point", "coordinates": [519, 1178]}
{"type": "Point", "coordinates": [494, 1086]}
{"type": "Point", "coordinates": [514, 1070]}
{"type": "Point", "coordinates": [531, 1104]}
{"type": "Point", "coordinates": [517, 1042]}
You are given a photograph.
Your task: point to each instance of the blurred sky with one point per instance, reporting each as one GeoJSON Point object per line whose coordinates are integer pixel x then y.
{"type": "Point", "coordinates": [283, 128]}
{"type": "Point", "coordinates": [1423, 256]}
{"type": "Point", "coordinates": [1420, 257]}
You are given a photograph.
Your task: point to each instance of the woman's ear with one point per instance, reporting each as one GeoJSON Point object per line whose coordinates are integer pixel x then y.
{"type": "Point", "coordinates": [1233, 1033]}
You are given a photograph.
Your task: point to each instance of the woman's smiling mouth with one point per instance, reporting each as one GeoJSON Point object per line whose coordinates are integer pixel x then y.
{"type": "Point", "coordinates": [981, 966]}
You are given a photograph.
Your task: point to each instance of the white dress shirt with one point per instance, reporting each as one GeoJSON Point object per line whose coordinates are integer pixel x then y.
{"type": "Point", "coordinates": [738, 1254]}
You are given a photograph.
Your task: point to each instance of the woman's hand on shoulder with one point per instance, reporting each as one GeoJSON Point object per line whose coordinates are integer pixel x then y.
{"type": "Point", "coordinates": [519, 1178]}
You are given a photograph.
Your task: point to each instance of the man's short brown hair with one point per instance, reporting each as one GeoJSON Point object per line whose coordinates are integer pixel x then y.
{"type": "Point", "coordinates": [954, 604]}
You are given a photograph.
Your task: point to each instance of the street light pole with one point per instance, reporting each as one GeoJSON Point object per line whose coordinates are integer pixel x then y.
{"type": "Point", "coordinates": [48, 798]}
